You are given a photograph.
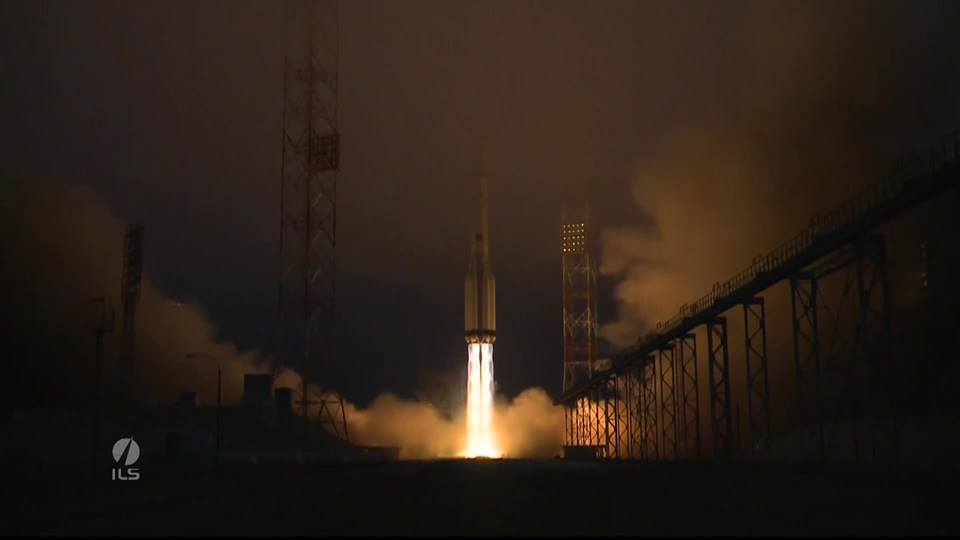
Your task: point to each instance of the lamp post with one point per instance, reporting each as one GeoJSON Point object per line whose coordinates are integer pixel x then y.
{"type": "Point", "coordinates": [219, 398]}
{"type": "Point", "coordinates": [104, 327]}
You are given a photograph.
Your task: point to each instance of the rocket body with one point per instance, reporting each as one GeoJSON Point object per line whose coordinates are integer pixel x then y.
{"type": "Point", "coordinates": [479, 286]}
{"type": "Point", "coordinates": [480, 331]}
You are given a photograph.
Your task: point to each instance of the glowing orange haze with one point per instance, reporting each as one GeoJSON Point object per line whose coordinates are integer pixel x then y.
{"type": "Point", "coordinates": [530, 425]}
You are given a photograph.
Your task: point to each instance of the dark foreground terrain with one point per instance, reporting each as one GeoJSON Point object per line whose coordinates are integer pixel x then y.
{"type": "Point", "coordinates": [487, 497]}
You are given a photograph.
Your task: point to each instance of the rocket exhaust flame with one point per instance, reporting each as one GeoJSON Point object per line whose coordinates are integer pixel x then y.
{"type": "Point", "coordinates": [480, 435]}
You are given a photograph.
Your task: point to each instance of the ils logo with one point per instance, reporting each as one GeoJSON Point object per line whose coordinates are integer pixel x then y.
{"type": "Point", "coordinates": [126, 452]}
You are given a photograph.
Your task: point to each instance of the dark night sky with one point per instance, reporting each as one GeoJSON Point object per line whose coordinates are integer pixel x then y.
{"type": "Point", "coordinates": [170, 111]}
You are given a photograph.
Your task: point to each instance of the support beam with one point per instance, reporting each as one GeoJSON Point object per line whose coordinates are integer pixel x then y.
{"type": "Point", "coordinates": [641, 413]}
{"type": "Point", "coordinates": [872, 342]}
{"type": "Point", "coordinates": [588, 419]}
{"type": "Point", "coordinates": [649, 447]}
{"type": "Point", "coordinates": [758, 385]}
{"type": "Point", "coordinates": [622, 401]}
{"type": "Point", "coordinates": [598, 420]}
{"type": "Point", "coordinates": [611, 427]}
{"type": "Point", "coordinates": [806, 359]}
{"type": "Point", "coordinates": [718, 372]}
{"type": "Point", "coordinates": [689, 397]}
{"type": "Point", "coordinates": [618, 446]}
{"type": "Point", "coordinates": [581, 420]}
{"type": "Point", "coordinates": [576, 421]}
{"type": "Point", "coordinates": [668, 403]}
{"type": "Point", "coordinates": [630, 411]}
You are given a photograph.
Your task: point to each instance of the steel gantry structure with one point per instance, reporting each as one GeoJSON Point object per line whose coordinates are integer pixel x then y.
{"type": "Point", "coordinates": [579, 299]}
{"type": "Point", "coordinates": [656, 383]}
{"type": "Point", "coordinates": [309, 164]}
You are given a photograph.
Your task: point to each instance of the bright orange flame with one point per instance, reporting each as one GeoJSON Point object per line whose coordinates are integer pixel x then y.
{"type": "Point", "coordinates": [481, 441]}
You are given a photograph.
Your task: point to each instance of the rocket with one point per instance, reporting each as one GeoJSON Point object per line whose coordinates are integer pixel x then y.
{"type": "Point", "coordinates": [480, 331]}
{"type": "Point", "coordinates": [479, 285]}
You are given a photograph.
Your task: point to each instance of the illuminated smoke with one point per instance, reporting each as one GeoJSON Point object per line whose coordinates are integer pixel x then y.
{"type": "Point", "coordinates": [801, 130]}
{"type": "Point", "coordinates": [528, 426]}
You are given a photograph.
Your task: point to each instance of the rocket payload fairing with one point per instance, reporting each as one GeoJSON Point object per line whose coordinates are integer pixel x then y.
{"type": "Point", "coordinates": [479, 286]}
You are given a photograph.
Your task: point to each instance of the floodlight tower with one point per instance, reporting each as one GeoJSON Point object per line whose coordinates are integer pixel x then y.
{"type": "Point", "coordinates": [579, 299]}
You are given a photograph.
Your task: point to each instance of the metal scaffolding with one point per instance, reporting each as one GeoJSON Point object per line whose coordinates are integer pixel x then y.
{"type": "Point", "coordinates": [580, 332]}
{"type": "Point", "coordinates": [718, 374]}
{"type": "Point", "coordinates": [758, 383]}
{"type": "Point", "coordinates": [668, 403]}
{"type": "Point", "coordinates": [689, 397]}
{"type": "Point", "coordinates": [649, 435]}
{"type": "Point", "coordinates": [806, 359]}
{"type": "Point", "coordinates": [310, 160]}
{"type": "Point", "coordinates": [579, 300]}
{"type": "Point", "coordinates": [632, 411]}
{"type": "Point", "coordinates": [841, 342]}
{"type": "Point", "coordinates": [611, 418]}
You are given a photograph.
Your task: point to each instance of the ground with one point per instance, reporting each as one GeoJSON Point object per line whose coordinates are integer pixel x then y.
{"type": "Point", "coordinates": [492, 497]}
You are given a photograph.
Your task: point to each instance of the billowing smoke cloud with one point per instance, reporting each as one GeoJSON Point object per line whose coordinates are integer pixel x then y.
{"type": "Point", "coordinates": [821, 102]}
{"type": "Point", "coordinates": [62, 247]}
{"type": "Point", "coordinates": [417, 428]}
{"type": "Point", "coordinates": [528, 426]}
{"type": "Point", "coordinates": [705, 210]}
